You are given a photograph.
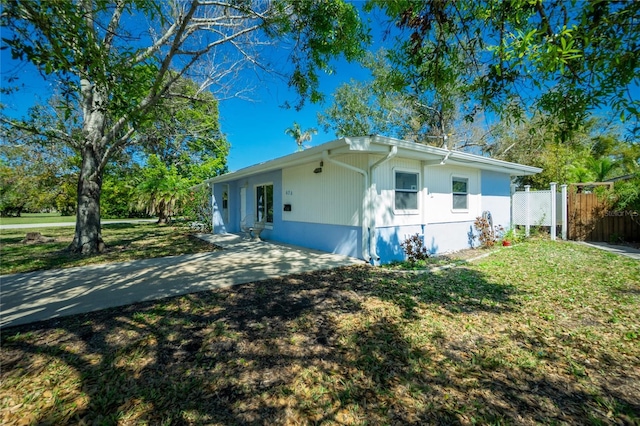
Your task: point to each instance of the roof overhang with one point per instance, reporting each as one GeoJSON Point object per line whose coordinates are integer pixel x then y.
{"type": "Point", "coordinates": [379, 145]}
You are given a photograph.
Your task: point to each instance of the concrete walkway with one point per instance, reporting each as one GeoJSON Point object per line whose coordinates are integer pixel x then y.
{"type": "Point", "coordinates": [36, 296]}
{"type": "Point", "coordinates": [611, 248]}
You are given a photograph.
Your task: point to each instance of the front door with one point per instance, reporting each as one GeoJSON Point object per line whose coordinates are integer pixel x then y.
{"type": "Point", "coordinates": [225, 204]}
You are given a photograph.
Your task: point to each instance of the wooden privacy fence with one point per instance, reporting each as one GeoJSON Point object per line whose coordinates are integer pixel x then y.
{"type": "Point", "coordinates": [591, 218]}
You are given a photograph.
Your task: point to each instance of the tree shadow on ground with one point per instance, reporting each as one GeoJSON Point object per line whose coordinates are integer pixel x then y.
{"type": "Point", "coordinates": [457, 289]}
{"type": "Point", "coordinates": [339, 346]}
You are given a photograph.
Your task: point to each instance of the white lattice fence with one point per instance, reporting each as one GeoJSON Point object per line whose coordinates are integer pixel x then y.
{"type": "Point", "coordinates": [540, 208]}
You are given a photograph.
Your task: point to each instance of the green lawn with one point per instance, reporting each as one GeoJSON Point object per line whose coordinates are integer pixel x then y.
{"type": "Point", "coordinates": [124, 242]}
{"type": "Point", "coordinates": [541, 333]}
{"type": "Point", "coordinates": [27, 218]}
{"type": "Point", "coordinates": [37, 218]}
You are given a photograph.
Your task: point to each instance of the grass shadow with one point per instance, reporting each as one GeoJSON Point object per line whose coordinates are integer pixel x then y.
{"type": "Point", "coordinates": [353, 345]}
{"type": "Point", "coordinates": [126, 241]}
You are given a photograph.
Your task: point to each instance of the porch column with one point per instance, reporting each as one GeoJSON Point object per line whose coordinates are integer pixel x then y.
{"type": "Point", "coordinates": [213, 212]}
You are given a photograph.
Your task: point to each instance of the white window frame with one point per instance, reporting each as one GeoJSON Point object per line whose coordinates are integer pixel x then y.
{"type": "Point", "coordinates": [267, 225]}
{"type": "Point", "coordinates": [466, 194]}
{"type": "Point", "coordinates": [416, 191]}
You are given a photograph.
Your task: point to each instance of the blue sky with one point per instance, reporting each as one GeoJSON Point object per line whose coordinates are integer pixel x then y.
{"type": "Point", "coordinates": [256, 129]}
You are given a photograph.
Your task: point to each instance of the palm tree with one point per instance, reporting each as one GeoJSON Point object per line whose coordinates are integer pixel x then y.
{"type": "Point", "coordinates": [601, 168]}
{"type": "Point", "coordinates": [300, 136]}
{"type": "Point", "coordinates": [161, 189]}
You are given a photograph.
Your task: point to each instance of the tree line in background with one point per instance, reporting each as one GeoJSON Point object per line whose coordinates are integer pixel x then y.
{"type": "Point", "coordinates": [596, 149]}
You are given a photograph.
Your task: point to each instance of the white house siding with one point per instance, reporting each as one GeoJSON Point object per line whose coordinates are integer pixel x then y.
{"type": "Point", "coordinates": [442, 228]}
{"type": "Point", "coordinates": [449, 230]}
{"type": "Point", "coordinates": [333, 197]}
{"type": "Point", "coordinates": [384, 181]}
{"type": "Point", "coordinates": [439, 198]}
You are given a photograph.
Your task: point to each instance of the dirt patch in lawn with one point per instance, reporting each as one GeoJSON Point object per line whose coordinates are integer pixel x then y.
{"type": "Point", "coordinates": [481, 343]}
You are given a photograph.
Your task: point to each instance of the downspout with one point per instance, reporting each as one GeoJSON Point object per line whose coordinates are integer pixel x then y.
{"type": "Point", "coordinates": [363, 220]}
{"type": "Point", "coordinates": [371, 193]}
{"type": "Point", "coordinates": [446, 157]}
{"type": "Point", "coordinates": [211, 198]}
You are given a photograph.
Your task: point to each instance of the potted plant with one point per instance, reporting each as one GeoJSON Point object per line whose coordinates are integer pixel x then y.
{"type": "Point", "coordinates": [509, 237]}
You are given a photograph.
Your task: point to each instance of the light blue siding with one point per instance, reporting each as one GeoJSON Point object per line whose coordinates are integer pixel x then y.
{"type": "Point", "coordinates": [439, 238]}
{"type": "Point", "coordinates": [389, 239]}
{"type": "Point", "coordinates": [496, 197]}
{"type": "Point", "coordinates": [338, 239]}
{"type": "Point", "coordinates": [249, 183]}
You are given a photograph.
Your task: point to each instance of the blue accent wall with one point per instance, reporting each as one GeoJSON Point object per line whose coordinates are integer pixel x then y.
{"type": "Point", "coordinates": [438, 238]}
{"type": "Point", "coordinates": [388, 240]}
{"type": "Point", "coordinates": [496, 197]}
{"type": "Point", "coordinates": [338, 239]}
{"type": "Point", "coordinates": [495, 184]}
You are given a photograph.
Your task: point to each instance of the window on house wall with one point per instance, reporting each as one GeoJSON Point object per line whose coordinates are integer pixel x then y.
{"type": "Point", "coordinates": [406, 191]}
{"type": "Point", "coordinates": [264, 203]}
{"type": "Point", "coordinates": [460, 189]}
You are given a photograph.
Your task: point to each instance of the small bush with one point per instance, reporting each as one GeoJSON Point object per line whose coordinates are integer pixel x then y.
{"type": "Point", "coordinates": [486, 234]}
{"type": "Point", "coordinates": [414, 248]}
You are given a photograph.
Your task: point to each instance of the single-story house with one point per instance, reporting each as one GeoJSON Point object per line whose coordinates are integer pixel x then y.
{"type": "Point", "coordinates": [363, 196]}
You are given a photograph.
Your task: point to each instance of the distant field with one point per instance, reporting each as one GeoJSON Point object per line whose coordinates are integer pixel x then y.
{"type": "Point", "coordinates": [27, 218]}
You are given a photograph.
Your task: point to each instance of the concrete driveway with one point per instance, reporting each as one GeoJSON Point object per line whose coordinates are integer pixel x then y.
{"type": "Point", "coordinates": [612, 248]}
{"type": "Point", "coordinates": [36, 296]}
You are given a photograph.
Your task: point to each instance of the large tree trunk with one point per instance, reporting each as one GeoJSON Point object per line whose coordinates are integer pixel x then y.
{"type": "Point", "coordinates": [88, 235]}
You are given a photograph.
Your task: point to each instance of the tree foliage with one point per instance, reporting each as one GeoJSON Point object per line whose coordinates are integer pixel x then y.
{"type": "Point", "coordinates": [384, 106]}
{"type": "Point", "coordinates": [161, 189]}
{"type": "Point", "coordinates": [34, 178]}
{"type": "Point", "coordinates": [185, 132]}
{"type": "Point", "coordinates": [117, 72]}
{"type": "Point", "coordinates": [594, 153]}
{"type": "Point", "coordinates": [563, 58]}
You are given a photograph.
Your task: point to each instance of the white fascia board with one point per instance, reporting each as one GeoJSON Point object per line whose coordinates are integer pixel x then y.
{"type": "Point", "coordinates": [484, 163]}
